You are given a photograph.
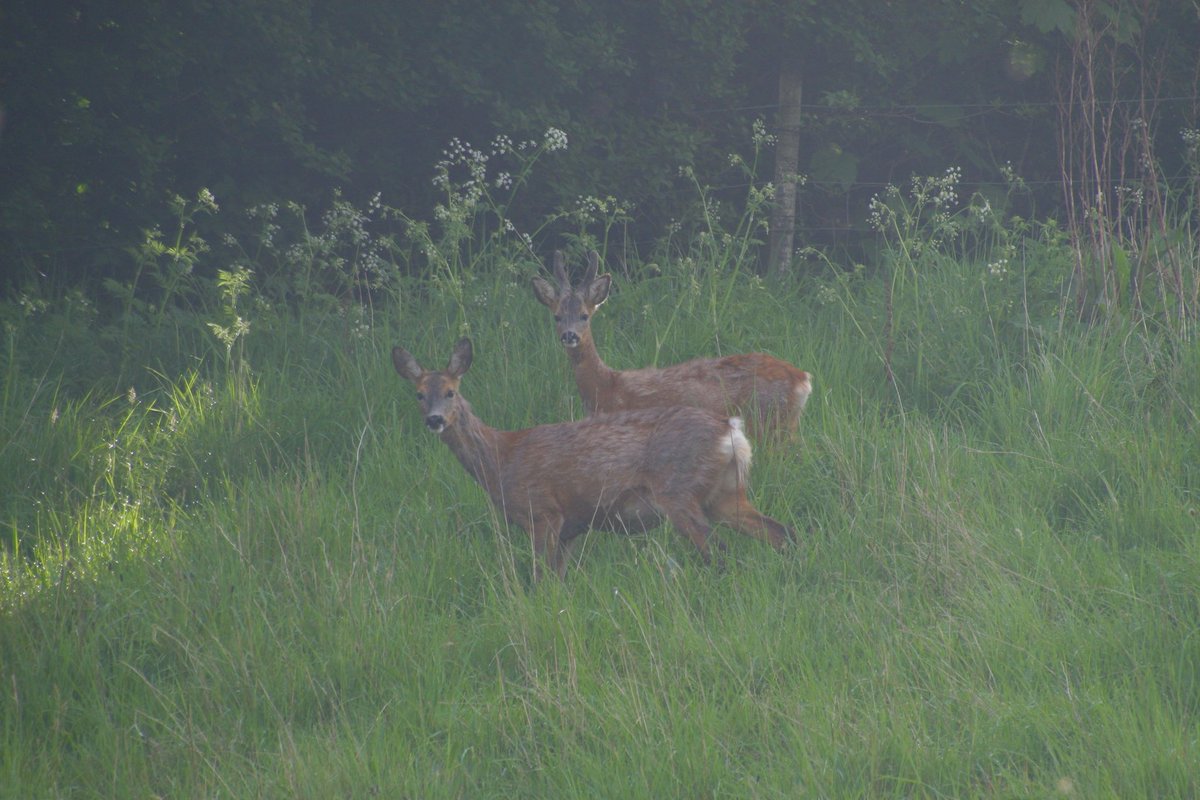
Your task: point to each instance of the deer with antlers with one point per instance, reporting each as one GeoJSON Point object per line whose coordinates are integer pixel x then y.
{"type": "Point", "coordinates": [623, 471]}
{"type": "Point", "coordinates": [768, 391]}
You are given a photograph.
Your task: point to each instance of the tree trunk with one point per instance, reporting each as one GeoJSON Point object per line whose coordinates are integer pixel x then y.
{"type": "Point", "coordinates": [787, 163]}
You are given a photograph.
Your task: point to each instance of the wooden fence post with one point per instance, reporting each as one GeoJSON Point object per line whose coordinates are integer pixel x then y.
{"type": "Point", "coordinates": [787, 166]}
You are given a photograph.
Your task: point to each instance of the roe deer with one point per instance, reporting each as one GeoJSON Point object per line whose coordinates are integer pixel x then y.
{"type": "Point", "coordinates": [768, 391]}
{"type": "Point", "coordinates": [623, 471]}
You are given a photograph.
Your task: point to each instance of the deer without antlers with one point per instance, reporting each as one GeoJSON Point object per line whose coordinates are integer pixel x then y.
{"type": "Point", "coordinates": [770, 392]}
{"type": "Point", "coordinates": [625, 471]}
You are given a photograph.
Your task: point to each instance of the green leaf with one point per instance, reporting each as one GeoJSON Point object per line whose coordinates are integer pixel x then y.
{"type": "Point", "coordinates": [1121, 267]}
{"type": "Point", "coordinates": [947, 115]}
{"type": "Point", "coordinates": [832, 164]}
{"type": "Point", "coordinates": [1048, 15]}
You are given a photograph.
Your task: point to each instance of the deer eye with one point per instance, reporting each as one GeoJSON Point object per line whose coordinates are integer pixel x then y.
{"type": "Point", "coordinates": [558, 317]}
{"type": "Point", "coordinates": [420, 396]}
{"type": "Point", "coordinates": [449, 393]}
{"type": "Point", "coordinates": [583, 317]}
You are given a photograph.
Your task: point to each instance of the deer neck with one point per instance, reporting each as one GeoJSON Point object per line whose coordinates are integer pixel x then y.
{"type": "Point", "coordinates": [479, 447]}
{"type": "Point", "coordinates": [593, 377]}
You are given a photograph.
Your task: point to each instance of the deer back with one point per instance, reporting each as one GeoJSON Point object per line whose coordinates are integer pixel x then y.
{"type": "Point", "coordinates": [767, 391]}
{"type": "Point", "coordinates": [591, 467]}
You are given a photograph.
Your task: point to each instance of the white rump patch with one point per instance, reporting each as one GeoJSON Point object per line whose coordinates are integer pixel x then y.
{"type": "Point", "coordinates": [735, 445]}
{"type": "Point", "coordinates": [803, 390]}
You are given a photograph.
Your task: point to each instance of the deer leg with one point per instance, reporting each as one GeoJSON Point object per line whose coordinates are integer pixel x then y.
{"type": "Point", "coordinates": [568, 544]}
{"type": "Point", "coordinates": [734, 510]}
{"type": "Point", "coordinates": [690, 520]}
{"type": "Point", "coordinates": [546, 535]}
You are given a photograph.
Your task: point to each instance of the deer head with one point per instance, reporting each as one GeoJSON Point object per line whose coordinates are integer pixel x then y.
{"type": "Point", "coordinates": [437, 392]}
{"type": "Point", "coordinates": [573, 307]}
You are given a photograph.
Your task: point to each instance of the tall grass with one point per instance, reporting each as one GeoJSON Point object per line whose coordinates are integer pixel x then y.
{"type": "Point", "coordinates": [271, 581]}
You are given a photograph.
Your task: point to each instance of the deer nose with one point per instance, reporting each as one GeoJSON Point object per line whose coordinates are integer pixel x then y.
{"type": "Point", "coordinates": [435, 422]}
{"type": "Point", "coordinates": [569, 339]}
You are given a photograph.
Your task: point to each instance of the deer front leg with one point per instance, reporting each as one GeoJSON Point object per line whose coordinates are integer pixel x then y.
{"type": "Point", "coordinates": [545, 533]}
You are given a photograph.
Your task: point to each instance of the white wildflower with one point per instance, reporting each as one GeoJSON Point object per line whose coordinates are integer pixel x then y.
{"type": "Point", "coordinates": [555, 139]}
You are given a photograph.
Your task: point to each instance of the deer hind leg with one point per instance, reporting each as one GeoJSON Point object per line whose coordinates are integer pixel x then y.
{"type": "Point", "coordinates": [733, 509]}
{"type": "Point", "coordinates": [690, 520]}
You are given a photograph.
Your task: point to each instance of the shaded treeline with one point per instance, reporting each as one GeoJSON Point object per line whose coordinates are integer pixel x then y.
{"type": "Point", "coordinates": [109, 108]}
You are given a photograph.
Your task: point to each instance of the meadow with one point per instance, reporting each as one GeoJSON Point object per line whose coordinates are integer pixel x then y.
{"type": "Point", "coordinates": [237, 565]}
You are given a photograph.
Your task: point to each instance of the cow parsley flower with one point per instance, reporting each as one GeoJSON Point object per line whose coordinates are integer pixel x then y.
{"type": "Point", "coordinates": [555, 139]}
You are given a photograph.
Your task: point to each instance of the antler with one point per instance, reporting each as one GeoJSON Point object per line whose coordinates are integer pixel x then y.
{"type": "Point", "coordinates": [592, 268]}
{"type": "Point", "coordinates": [560, 269]}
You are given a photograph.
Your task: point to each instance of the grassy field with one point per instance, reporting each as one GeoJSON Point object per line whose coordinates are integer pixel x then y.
{"type": "Point", "coordinates": [250, 572]}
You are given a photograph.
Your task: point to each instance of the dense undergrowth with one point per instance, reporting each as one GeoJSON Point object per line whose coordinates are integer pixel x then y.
{"type": "Point", "coordinates": [235, 563]}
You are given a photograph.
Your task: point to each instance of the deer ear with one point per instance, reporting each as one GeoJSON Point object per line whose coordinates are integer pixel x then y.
{"type": "Point", "coordinates": [406, 365]}
{"type": "Point", "coordinates": [560, 269]}
{"type": "Point", "coordinates": [460, 359]}
{"type": "Point", "coordinates": [596, 292]}
{"type": "Point", "coordinates": [545, 292]}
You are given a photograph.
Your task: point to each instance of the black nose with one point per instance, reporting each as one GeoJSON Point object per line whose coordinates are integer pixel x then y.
{"type": "Point", "coordinates": [570, 338]}
{"type": "Point", "coordinates": [435, 422]}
